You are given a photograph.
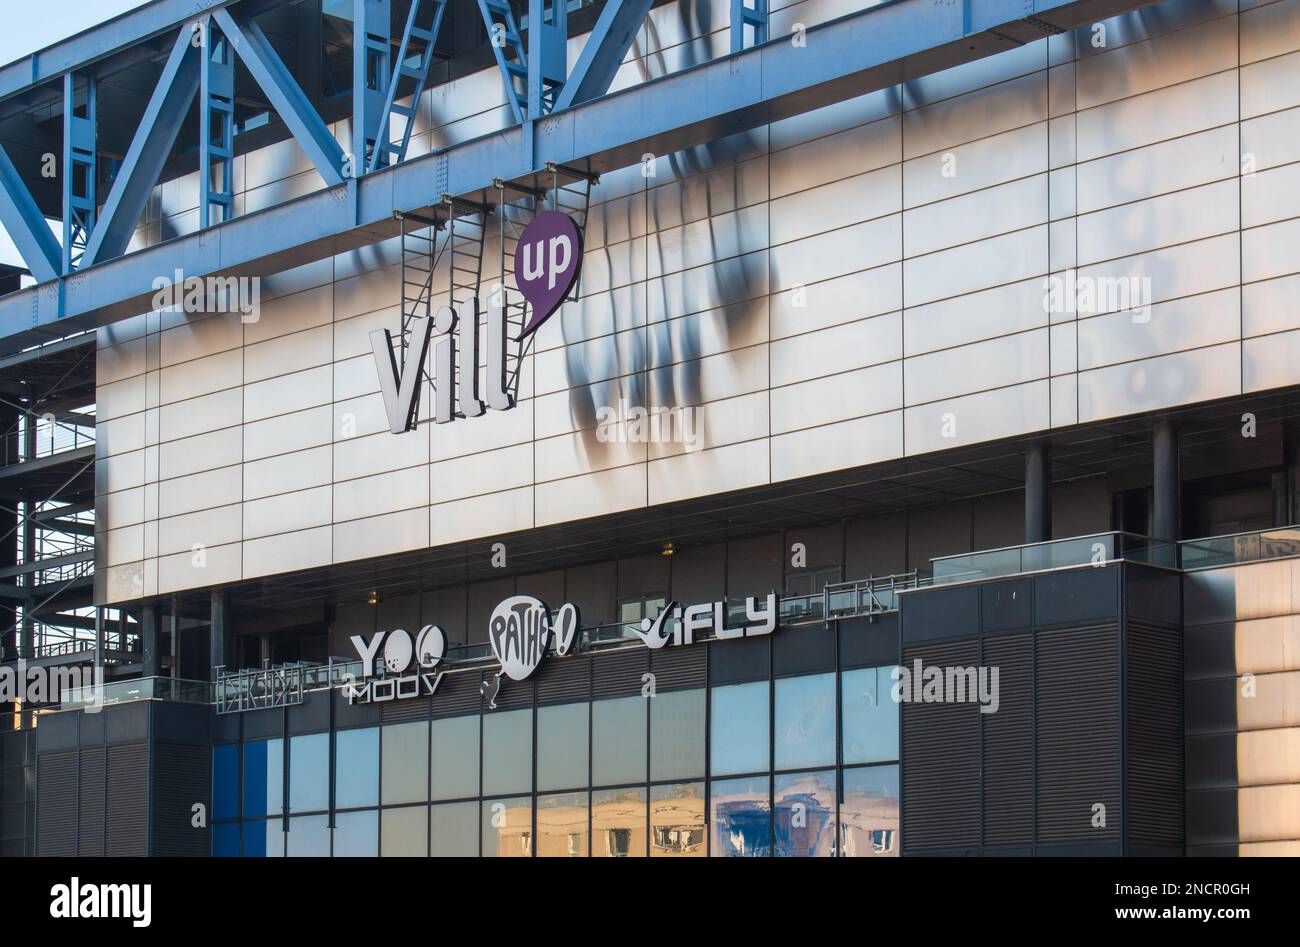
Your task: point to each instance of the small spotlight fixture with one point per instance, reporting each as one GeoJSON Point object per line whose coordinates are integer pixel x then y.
{"type": "Point", "coordinates": [668, 550]}
{"type": "Point", "coordinates": [373, 599]}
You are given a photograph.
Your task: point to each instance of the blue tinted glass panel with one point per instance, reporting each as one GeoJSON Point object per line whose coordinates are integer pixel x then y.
{"type": "Point", "coordinates": [453, 830]}
{"type": "Point", "coordinates": [309, 772]}
{"type": "Point", "coordinates": [805, 814]}
{"type": "Point", "coordinates": [263, 778]}
{"type": "Point", "coordinates": [618, 741]}
{"type": "Point", "coordinates": [508, 752]}
{"type": "Point", "coordinates": [264, 839]}
{"type": "Point", "coordinates": [356, 834]}
{"type": "Point", "coordinates": [309, 836]}
{"type": "Point", "coordinates": [225, 839]}
{"type": "Point", "coordinates": [677, 735]}
{"type": "Point", "coordinates": [742, 818]}
{"type": "Point", "coordinates": [406, 763]}
{"type": "Point", "coordinates": [870, 715]}
{"type": "Point", "coordinates": [562, 746]}
{"type": "Point", "coordinates": [454, 746]}
{"type": "Point", "coordinates": [869, 813]}
{"type": "Point", "coordinates": [356, 768]}
{"type": "Point", "coordinates": [404, 832]}
{"type": "Point", "coordinates": [225, 783]}
{"type": "Point", "coordinates": [805, 721]}
{"type": "Point", "coordinates": [740, 731]}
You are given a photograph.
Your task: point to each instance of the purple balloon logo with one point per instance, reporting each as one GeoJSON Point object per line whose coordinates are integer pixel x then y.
{"type": "Point", "coordinates": [547, 260]}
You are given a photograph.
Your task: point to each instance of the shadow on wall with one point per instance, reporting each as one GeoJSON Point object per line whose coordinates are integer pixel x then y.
{"type": "Point", "coordinates": [660, 369]}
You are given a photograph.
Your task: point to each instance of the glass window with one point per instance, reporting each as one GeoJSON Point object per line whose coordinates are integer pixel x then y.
{"type": "Point", "coordinates": [356, 834]}
{"type": "Point", "coordinates": [508, 827]}
{"type": "Point", "coordinates": [562, 746]}
{"type": "Point", "coordinates": [263, 778]}
{"type": "Point", "coordinates": [309, 773]}
{"type": "Point", "coordinates": [677, 735]}
{"type": "Point", "coordinates": [677, 820]}
{"type": "Point", "coordinates": [741, 817]}
{"type": "Point", "coordinates": [404, 832]}
{"type": "Point", "coordinates": [618, 823]}
{"type": "Point", "coordinates": [405, 763]}
{"type": "Point", "coordinates": [740, 732]}
{"type": "Point", "coordinates": [869, 812]}
{"type": "Point", "coordinates": [225, 783]}
{"type": "Point", "coordinates": [264, 839]}
{"type": "Point", "coordinates": [508, 751]}
{"type": "Point", "coordinates": [805, 814]}
{"type": "Point", "coordinates": [562, 825]}
{"type": "Point", "coordinates": [225, 840]}
{"type": "Point", "coordinates": [453, 830]}
{"type": "Point", "coordinates": [805, 721]}
{"type": "Point", "coordinates": [870, 715]}
{"type": "Point", "coordinates": [356, 768]}
{"type": "Point", "coordinates": [454, 746]}
{"type": "Point", "coordinates": [309, 836]}
{"type": "Point", "coordinates": [618, 741]}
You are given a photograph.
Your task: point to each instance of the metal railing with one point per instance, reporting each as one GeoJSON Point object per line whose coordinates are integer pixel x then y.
{"type": "Point", "coordinates": [1236, 548]}
{"type": "Point", "coordinates": [1096, 549]}
{"type": "Point", "coordinates": [174, 689]}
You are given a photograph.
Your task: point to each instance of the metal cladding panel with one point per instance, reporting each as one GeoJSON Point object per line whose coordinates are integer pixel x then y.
{"type": "Point", "coordinates": [401, 711]}
{"type": "Point", "coordinates": [128, 800]}
{"type": "Point", "coordinates": [866, 642]}
{"type": "Point", "coordinates": [1008, 771]}
{"type": "Point", "coordinates": [804, 650]}
{"type": "Point", "coordinates": [564, 681]}
{"type": "Point", "coordinates": [1077, 743]}
{"type": "Point", "coordinates": [679, 668]}
{"type": "Point", "coordinates": [619, 674]}
{"type": "Point", "coordinates": [941, 761]}
{"type": "Point", "coordinates": [459, 694]}
{"type": "Point", "coordinates": [56, 804]}
{"type": "Point", "coordinates": [1154, 732]}
{"type": "Point", "coordinates": [182, 776]}
{"type": "Point", "coordinates": [90, 793]}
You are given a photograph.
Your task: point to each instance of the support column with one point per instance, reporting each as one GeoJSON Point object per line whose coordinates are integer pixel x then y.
{"type": "Point", "coordinates": [1038, 494]}
{"type": "Point", "coordinates": [1281, 498]}
{"type": "Point", "coordinates": [220, 651]}
{"type": "Point", "coordinates": [149, 640]}
{"type": "Point", "coordinates": [1166, 518]}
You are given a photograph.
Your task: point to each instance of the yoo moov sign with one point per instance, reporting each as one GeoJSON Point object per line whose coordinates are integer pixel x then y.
{"type": "Point", "coordinates": [520, 629]}
{"type": "Point", "coordinates": [549, 252]}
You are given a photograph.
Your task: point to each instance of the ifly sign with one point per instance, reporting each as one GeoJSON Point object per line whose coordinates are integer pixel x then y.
{"type": "Point", "coordinates": [550, 254]}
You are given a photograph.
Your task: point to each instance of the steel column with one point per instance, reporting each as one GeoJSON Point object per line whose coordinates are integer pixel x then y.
{"type": "Point", "coordinates": [754, 17]}
{"type": "Point", "coordinates": [372, 55]}
{"type": "Point", "coordinates": [1166, 513]}
{"type": "Point", "coordinates": [603, 52]}
{"type": "Point", "coordinates": [149, 628]}
{"type": "Point", "coordinates": [79, 169]}
{"type": "Point", "coordinates": [1038, 494]}
{"type": "Point", "coordinates": [216, 129]}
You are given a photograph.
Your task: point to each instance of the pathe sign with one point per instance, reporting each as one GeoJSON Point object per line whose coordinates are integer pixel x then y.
{"type": "Point", "coordinates": [550, 253]}
{"type": "Point", "coordinates": [520, 629]}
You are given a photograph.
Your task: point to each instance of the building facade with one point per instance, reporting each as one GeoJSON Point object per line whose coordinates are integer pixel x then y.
{"type": "Point", "coordinates": [982, 367]}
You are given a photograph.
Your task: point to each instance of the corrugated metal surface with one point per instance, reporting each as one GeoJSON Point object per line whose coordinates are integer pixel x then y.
{"type": "Point", "coordinates": [1077, 740]}
{"type": "Point", "coordinates": [181, 777]}
{"type": "Point", "coordinates": [415, 708]}
{"type": "Point", "coordinates": [56, 804]}
{"type": "Point", "coordinates": [458, 694]}
{"type": "Point", "coordinates": [620, 673]}
{"type": "Point", "coordinates": [90, 816]}
{"type": "Point", "coordinates": [128, 800]}
{"type": "Point", "coordinates": [1155, 729]}
{"type": "Point", "coordinates": [679, 668]}
{"type": "Point", "coordinates": [941, 761]}
{"type": "Point", "coordinates": [1007, 738]}
{"type": "Point", "coordinates": [564, 681]}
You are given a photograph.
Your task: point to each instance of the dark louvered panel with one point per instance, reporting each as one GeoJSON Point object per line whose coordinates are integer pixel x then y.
{"type": "Point", "coordinates": [678, 668]}
{"type": "Point", "coordinates": [941, 760]}
{"type": "Point", "coordinates": [411, 708]}
{"type": "Point", "coordinates": [90, 816]}
{"type": "Point", "coordinates": [1077, 742]}
{"type": "Point", "coordinates": [127, 817]}
{"type": "Point", "coordinates": [181, 777]}
{"type": "Point", "coordinates": [619, 673]}
{"type": "Point", "coordinates": [512, 694]}
{"type": "Point", "coordinates": [564, 680]}
{"type": "Point", "coordinates": [1008, 738]}
{"type": "Point", "coordinates": [56, 804]}
{"type": "Point", "coordinates": [458, 694]}
{"type": "Point", "coordinates": [1155, 729]}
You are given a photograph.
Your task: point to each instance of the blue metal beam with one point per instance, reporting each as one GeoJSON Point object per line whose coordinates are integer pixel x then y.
{"type": "Point", "coordinates": [548, 50]}
{"type": "Point", "coordinates": [216, 129]}
{"type": "Point", "coordinates": [603, 52]}
{"type": "Point", "coordinates": [22, 220]}
{"type": "Point", "coordinates": [80, 164]}
{"type": "Point", "coordinates": [372, 54]}
{"type": "Point", "coordinates": [508, 48]}
{"type": "Point", "coordinates": [856, 54]}
{"type": "Point", "coordinates": [752, 16]}
{"type": "Point", "coordinates": [286, 96]}
{"type": "Point", "coordinates": [148, 152]}
{"type": "Point", "coordinates": [419, 42]}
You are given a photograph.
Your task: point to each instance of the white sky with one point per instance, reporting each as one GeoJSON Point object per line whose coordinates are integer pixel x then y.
{"type": "Point", "coordinates": [30, 25]}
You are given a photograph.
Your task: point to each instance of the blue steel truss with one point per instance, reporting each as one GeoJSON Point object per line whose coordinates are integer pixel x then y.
{"type": "Point", "coordinates": [587, 128]}
{"type": "Point", "coordinates": [79, 169]}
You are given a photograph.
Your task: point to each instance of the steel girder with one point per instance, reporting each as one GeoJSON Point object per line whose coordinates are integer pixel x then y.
{"type": "Point", "coordinates": [853, 55]}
